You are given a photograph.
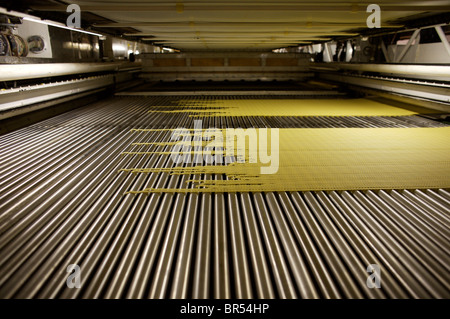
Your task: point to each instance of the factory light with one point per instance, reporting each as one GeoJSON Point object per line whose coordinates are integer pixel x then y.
{"type": "Point", "coordinates": [60, 26]}
{"type": "Point", "coordinates": [119, 47]}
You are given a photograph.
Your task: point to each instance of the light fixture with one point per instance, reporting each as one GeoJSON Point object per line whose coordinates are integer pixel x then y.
{"type": "Point", "coordinates": [118, 47]}
{"type": "Point", "coordinates": [60, 26]}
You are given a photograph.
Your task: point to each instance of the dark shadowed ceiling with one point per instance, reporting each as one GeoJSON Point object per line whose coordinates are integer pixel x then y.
{"type": "Point", "coordinates": [237, 24]}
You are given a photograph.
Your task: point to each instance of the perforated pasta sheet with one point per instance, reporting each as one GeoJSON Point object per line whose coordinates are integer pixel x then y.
{"type": "Point", "coordinates": [326, 159]}
{"type": "Point", "coordinates": [287, 107]}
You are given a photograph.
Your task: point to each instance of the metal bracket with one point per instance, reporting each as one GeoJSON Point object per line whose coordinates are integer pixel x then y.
{"type": "Point", "coordinates": [443, 38]}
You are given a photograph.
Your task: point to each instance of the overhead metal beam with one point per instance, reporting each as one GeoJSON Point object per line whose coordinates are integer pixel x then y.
{"type": "Point", "coordinates": [208, 6]}
{"type": "Point", "coordinates": [408, 45]}
{"type": "Point", "coordinates": [306, 40]}
{"type": "Point", "coordinates": [290, 25]}
{"type": "Point", "coordinates": [231, 41]}
{"type": "Point", "coordinates": [255, 33]}
{"type": "Point", "coordinates": [443, 38]}
{"type": "Point", "coordinates": [176, 37]}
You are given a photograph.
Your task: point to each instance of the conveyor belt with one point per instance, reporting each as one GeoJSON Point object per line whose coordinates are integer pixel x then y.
{"type": "Point", "coordinates": [62, 202]}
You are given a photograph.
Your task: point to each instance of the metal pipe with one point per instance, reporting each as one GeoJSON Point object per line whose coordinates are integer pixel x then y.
{"type": "Point", "coordinates": [12, 72]}
{"type": "Point", "coordinates": [176, 245]}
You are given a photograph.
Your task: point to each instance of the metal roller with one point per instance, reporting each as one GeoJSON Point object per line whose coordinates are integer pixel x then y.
{"type": "Point", "coordinates": [63, 203]}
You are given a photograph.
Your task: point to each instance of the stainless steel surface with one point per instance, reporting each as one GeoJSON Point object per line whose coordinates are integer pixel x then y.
{"type": "Point", "coordinates": [436, 72]}
{"type": "Point", "coordinates": [23, 96]}
{"type": "Point", "coordinates": [11, 72]}
{"type": "Point", "coordinates": [62, 202]}
{"type": "Point", "coordinates": [418, 91]}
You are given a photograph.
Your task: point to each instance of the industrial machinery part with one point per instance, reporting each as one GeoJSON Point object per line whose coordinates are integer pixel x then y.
{"type": "Point", "coordinates": [63, 202]}
{"type": "Point", "coordinates": [234, 149]}
{"type": "Point", "coordinates": [4, 45]}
